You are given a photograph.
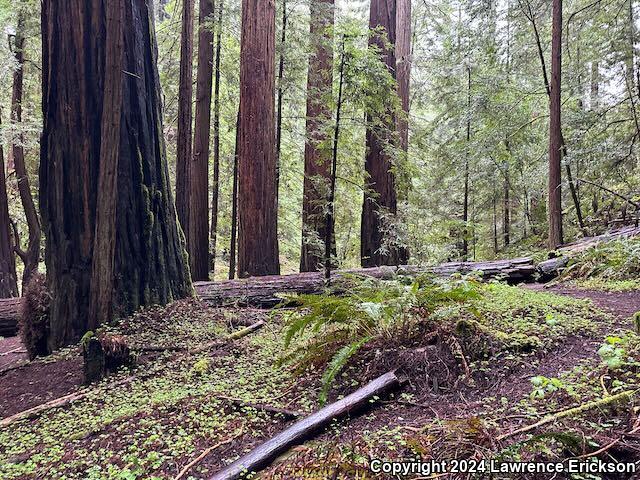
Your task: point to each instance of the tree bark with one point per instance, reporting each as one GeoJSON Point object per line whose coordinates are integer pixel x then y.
{"type": "Point", "coordinates": [8, 277]}
{"type": "Point", "coordinates": [31, 256]}
{"type": "Point", "coordinates": [185, 115]}
{"type": "Point", "coordinates": [317, 152]}
{"type": "Point", "coordinates": [403, 77]}
{"type": "Point", "coordinates": [555, 134]}
{"type": "Point", "coordinates": [150, 263]}
{"type": "Point", "coordinates": [199, 169]}
{"type": "Point", "coordinates": [104, 241]}
{"type": "Point", "coordinates": [258, 231]}
{"type": "Point", "coordinates": [216, 144]}
{"type": "Point", "coordinates": [380, 197]}
{"type": "Point", "coordinates": [283, 41]}
{"type": "Point", "coordinates": [234, 207]}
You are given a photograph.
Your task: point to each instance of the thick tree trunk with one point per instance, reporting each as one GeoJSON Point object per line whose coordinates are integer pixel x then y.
{"type": "Point", "coordinates": [8, 278]}
{"type": "Point", "coordinates": [199, 169]}
{"type": "Point", "coordinates": [258, 218]}
{"type": "Point", "coordinates": [150, 264]}
{"type": "Point", "coordinates": [555, 134]}
{"type": "Point", "coordinates": [317, 149]}
{"type": "Point", "coordinates": [216, 144]}
{"type": "Point", "coordinates": [31, 256]}
{"type": "Point", "coordinates": [185, 115]}
{"type": "Point", "coordinates": [380, 198]}
{"type": "Point", "coordinates": [403, 77]}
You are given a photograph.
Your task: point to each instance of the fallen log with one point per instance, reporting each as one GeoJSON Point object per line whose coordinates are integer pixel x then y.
{"type": "Point", "coordinates": [264, 454]}
{"type": "Point", "coordinates": [265, 292]}
{"type": "Point", "coordinates": [9, 313]}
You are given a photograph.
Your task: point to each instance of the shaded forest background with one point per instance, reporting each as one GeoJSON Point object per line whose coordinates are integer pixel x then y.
{"type": "Point", "coordinates": [478, 105]}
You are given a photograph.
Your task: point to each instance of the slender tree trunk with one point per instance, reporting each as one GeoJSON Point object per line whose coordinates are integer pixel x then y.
{"type": "Point", "coordinates": [257, 212]}
{"type": "Point", "coordinates": [317, 153]}
{"type": "Point", "coordinates": [555, 134]}
{"type": "Point", "coordinates": [199, 169]}
{"type": "Point", "coordinates": [185, 115]}
{"type": "Point", "coordinates": [31, 257]}
{"type": "Point", "coordinates": [283, 40]}
{"type": "Point", "coordinates": [403, 77]}
{"type": "Point", "coordinates": [380, 197]}
{"type": "Point", "coordinates": [506, 222]}
{"type": "Point", "coordinates": [234, 206]}
{"type": "Point", "coordinates": [329, 241]}
{"type": "Point", "coordinates": [150, 263]}
{"type": "Point", "coordinates": [216, 143]}
{"type": "Point", "coordinates": [494, 201]}
{"type": "Point", "coordinates": [594, 91]}
{"type": "Point", "coordinates": [8, 277]}
{"type": "Point", "coordinates": [104, 240]}
{"type": "Point", "coordinates": [465, 200]}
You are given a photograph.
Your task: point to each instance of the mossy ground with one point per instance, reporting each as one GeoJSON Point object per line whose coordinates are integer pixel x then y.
{"type": "Point", "coordinates": [174, 407]}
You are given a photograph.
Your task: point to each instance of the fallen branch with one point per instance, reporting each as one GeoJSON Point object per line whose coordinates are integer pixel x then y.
{"type": "Point", "coordinates": [571, 412]}
{"type": "Point", "coordinates": [264, 454]}
{"type": "Point", "coordinates": [262, 407]}
{"type": "Point", "coordinates": [206, 452]}
{"type": "Point", "coordinates": [55, 403]}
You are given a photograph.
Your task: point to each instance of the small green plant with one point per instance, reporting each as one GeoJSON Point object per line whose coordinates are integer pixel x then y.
{"type": "Point", "coordinates": [201, 367]}
{"type": "Point", "coordinates": [543, 386]}
{"type": "Point", "coordinates": [613, 353]}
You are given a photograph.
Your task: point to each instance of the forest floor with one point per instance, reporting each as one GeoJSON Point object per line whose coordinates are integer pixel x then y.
{"type": "Point", "coordinates": [153, 420]}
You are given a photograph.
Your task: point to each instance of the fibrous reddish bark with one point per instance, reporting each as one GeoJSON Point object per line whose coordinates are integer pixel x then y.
{"type": "Point", "coordinates": [185, 116]}
{"type": "Point", "coordinates": [380, 198]}
{"type": "Point", "coordinates": [199, 169]}
{"type": "Point", "coordinates": [317, 150]}
{"type": "Point", "coordinates": [258, 231]}
{"type": "Point", "coordinates": [149, 257]}
{"type": "Point", "coordinates": [555, 133]}
{"type": "Point", "coordinates": [8, 279]}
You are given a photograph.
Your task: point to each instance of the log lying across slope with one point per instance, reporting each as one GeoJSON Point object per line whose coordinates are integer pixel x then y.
{"type": "Point", "coordinates": [264, 454]}
{"type": "Point", "coordinates": [265, 291]}
{"type": "Point", "coordinates": [9, 313]}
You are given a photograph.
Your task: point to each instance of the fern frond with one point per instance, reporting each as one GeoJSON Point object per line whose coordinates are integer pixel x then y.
{"type": "Point", "coordinates": [336, 364]}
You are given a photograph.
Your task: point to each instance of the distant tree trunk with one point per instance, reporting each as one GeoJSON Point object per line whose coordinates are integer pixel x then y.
{"type": "Point", "coordinates": [329, 241]}
{"type": "Point", "coordinates": [494, 202]}
{"type": "Point", "coordinates": [185, 114]}
{"type": "Point", "coordinates": [317, 152]}
{"type": "Point", "coordinates": [104, 240]}
{"type": "Point", "coordinates": [257, 212]}
{"type": "Point", "coordinates": [506, 222]}
{"type": "Point", "coordinates": [199, 169]}
{"type": "Point", "coordinates": [234, 206]}
{"type": "Point", "coordinates": [465, 200]}
{"type": "Point", "coordinates": [150, 263]}
{"type": "Point", "coordinates": [283, 40]}
{"type": "Point", "coordinates": [403, 77]}
{"type": "Point", "coordinates": [216, 143]}
{"type": "Point", "coordinates": [8, 277]}
{"type": "Point", "coordinates": [594, 92]}
{"type": "Point", "coordinates": [380, 197]}
{"type": "Point", "coordinates": [555, 134]}
{"type": "Point", "coordinates": [31, 256]}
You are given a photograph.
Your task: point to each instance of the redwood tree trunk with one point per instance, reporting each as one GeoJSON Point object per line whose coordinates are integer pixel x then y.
{"type": "Point", "coordinates": [403, 77]}
{"type": "Point", "coordinates": [31, 257]}
{"type": "Point", "coordinates": [258, 231]}
{"type": "Point", "coordinates": [199, 170]}
{"type": "Point", "coordinates": [555, 134]}
{"type": "Point", "coordinates": [380, 194]}
{"type": "Point", "coordinates": [317, 150]}
{"type": "Point", "coordinates": [150, 263]}
{"type": "Point", "coordinates": [8, 281]}
{"type": "Point", "coordinates": [185, 114]}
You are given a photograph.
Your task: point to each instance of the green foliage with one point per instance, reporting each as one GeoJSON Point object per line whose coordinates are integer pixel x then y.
{"type": "Point", "coordinates": [613, 353]}
{"type": "Point", "coordinates": [617, 260]}
{"type": "Point", "coordinates": [543, 386]}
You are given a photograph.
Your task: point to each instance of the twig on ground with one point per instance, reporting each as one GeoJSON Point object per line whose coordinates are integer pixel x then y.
{"type": "Point", "coordinates": [206, 452]}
